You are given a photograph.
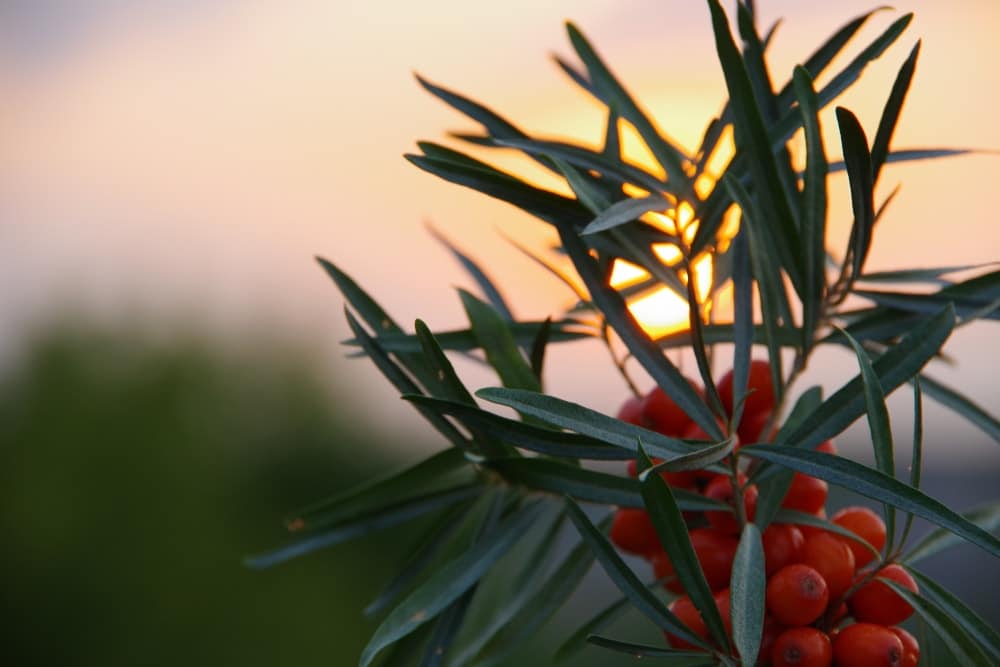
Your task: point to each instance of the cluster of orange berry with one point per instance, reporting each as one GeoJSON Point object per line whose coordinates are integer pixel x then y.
{"type": "Point", "coordinates": [824, 604]}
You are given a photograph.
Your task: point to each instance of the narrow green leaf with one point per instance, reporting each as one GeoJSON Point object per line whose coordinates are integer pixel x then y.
{"type": "Point", "coordinates": [463, 340]}
{"type": "Point", "coordinates": [537, 358]}
{"type": "Point", "coordinates": [948, 628]}
{"type": "Point", "coordinates": [575, 75]}
{"type": "Point", "coordinates": [978, 629]}
{"type": "Point", "coordinates": [746, 594]}
{"type": "Point", "coordinates": [933, 275]}
{"type": "Point", "coordinates": [402, 381]}
{"type": "Point", "coordinates": [873, 484]}
{"type": "Point", "coordinates": [497, 341]}
{"type": "Point", "coordinates": [879, 428]}
{"type": "Point", "coordinates": [697, 460]}
{"type": "Point", "coordinates": [770, 287]}
{"type": "Point", "coordinates": [680, 657]}
{"type": "Point", "coordinates": [584, 158]}
{"type": "Point", "coordinates": [897, 365]}
{"type": "Point", "coordinates": [425, 552]}
{"type": "Point", "coordinates": [490, 291]}
{"type": "Point", "coordinates": [384, 517]}
{"type": "Point", "coordinates": [673, 532]}
{"type": "Point", "coordinates": [987, 517]}
{"type": "Point", "coordinates": [964, 406]}
{"type": "Point", "coordinates": [726, 333]}
{"type": "Point", "coordinates": [625, 211]}
{"type": "Point", "coordinates": [527, 436]}
{"type": "Point", "coordinates": [890, 114]}
{"type": "Point", "coordinates": [742, 323]}
{"type": "Point", "coordinates": [915, 155]}
{"type": "Point", "coordinates": [612, 138]}
{"type": "Point", "coordinates": [644, 600]}
{"type": "Point", "coordinates": [614, 308]}
{"type": "Point", "coordinates": [586, 485]}
{"type": "Point", "coordinates": [772, 490]}
{"type": "Point", "coordinates": [965, 306]}
{"type": "Point", "coordinates": [448, 384]}
{"type": "Point", "coordinates": [446, 628]}
{"type": "Point", "coordinates": [752, 137]}
{"type": "Point", "coordinates": [495, 124]}
{"type": "Point", "coordinates": [449, 583]}
{"type": "Point", "coordinates": [917, 454]}
{"type": "Point", "coordinates": [575, 417]}
{"type": "Point", "coordinates": [814, 209]}
{"type": "Point", "coordinates": [859, 172]}
{"type": "Point", "coordinates": [613, 94]}
{"type": "Point", "coordinates": [378, 492]}
{"type": "Point", "coordinates": [598, 622]}
{"type": "Point", "coordinates": [546, 600]}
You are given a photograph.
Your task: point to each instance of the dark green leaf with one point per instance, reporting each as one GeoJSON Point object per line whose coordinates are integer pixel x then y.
{"type": "Point", "coordinates": [546, 600]}
{"type": "Point", "coordinates": [425, 552]}
{"type": "Point", "coordinates": [948, 628]}
{"type": "Point", "coordinates": [578, 156]}
{"type": "Point", "coordinates": [930, 303]}
{"type": "Point", "coordinates": [879, 428]}
{"type": "Point", "coordinates": [746, 594]}
{"type": "Point", "coordinates": [449, 583]}
{"type": "Point", "coordinates": [586, 485]}
{"type": "Point", "coordinates": [742, 323]}
{"type": "Point", "coordinates": [859, 172]}
{"type": "Point", "coordinates": [897, 365]}
{"type": "Point", "coordinates": [384, 517]}
{"type": "Point", "coordinates": [578, 77]}
{"type": "Point", "coordinates": [680, 657]}
{"type": "Point", "coordinates": [586, 421]}
{"type": "Point", "coordinates": [890, 114]}
{"type": "Point", "coordinates": [537, 358]}
{"type": "Point", "coordinates": [624, 578]}
{"type": "Point", "coordinates": [962, 405]}
{"type": "Point", "coordinates": [613, 94]}
{"type": "Point", "coordinates": [625, 211]}
{"type": "Point", "coordinates": [379, 492]}
{"type": "Point", "coordinates": [917, 455]}
{"type": "Point", "coordinates": [496, 339]}
{"type": "Point", "coordinates": [873, 484]}
{"type": "Point", "coordinates": [446, 627]}
{"type": "Point", "coordinates": [490, 290]}
{"type": "Point", "coordinates": [987, 517]}
{"type": "Point", "coordinates": [974, 625]}
{"type": "Point", "coordinates": [598, 622]}
{"type": "Point", "coordinates": [814, 207]}
{"type": "Point", "coordinates": [448, 384]}
{"type": "Point", "coordinates": [752, 137]}
{"type": "Point", "coordinates": [402, 381]}
{"type": "Point", "coordinates": [463, 340]}
{"type": "Point", "coordinates": [697, 460]}
{"type": "Point", "coordinates": [527, 436]}
{"type": "Point", "coordinates": [919, 275]}
{"type": "Point", "coordinates": [673, 532]}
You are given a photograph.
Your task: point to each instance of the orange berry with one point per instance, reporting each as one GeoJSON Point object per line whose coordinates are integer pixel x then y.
{"type": "Point", "coordinates": [802, 647]}
{"type": "Point", "coordinates": [715, 551]}
{"type": "Point", "coordinates": [877, 603]}
{"type": "Point", "coordinates": [911, 648]}
{"type": "Point", "coordinates": [783, 544]}
{"type": "Point", "coordinates": [797, 595]}
{"type": "Point", "coordinates": [867, 645]}
{"type": "Point", "coordinates": [760, 398]}
{"type": "Point", "coordinates": [663, 415]}
{"type": "Point", "coordinates": [806, 494]}
{"type": "Point", "coordinates": [867, 525]}
{"type": "Point", "coordinates": [721, 488]}
{"type": "Point", "coordinates": [687, 613]}
{"type": "Point", "coordinates": [829, 556]}
{"type": "Point", "coordinates": [772, 630]}
{"type": "Point", "coordinates": [632, 531]}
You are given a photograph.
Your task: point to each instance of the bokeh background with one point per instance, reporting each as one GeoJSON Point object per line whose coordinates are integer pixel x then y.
{"type": "Point", "coordinates": [171, 379]}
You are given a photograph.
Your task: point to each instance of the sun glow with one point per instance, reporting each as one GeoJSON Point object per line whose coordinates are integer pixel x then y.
{"type": "Point", "coordinates": [660, 310]}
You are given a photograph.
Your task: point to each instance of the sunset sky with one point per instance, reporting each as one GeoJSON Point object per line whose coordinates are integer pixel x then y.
{"type": "Point", "coordinates": [187, 159]}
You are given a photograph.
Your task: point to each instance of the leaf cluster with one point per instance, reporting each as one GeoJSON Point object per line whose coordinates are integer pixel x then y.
{"type": "Point", "coordinates": [507, 493]}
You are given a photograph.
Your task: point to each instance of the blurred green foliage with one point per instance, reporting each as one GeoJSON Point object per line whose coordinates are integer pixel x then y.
{"type": "Point", "coordinates": [136, 475]}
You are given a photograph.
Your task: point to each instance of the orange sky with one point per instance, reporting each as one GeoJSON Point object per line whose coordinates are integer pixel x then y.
{"type": "Point", "coordinates": [194, 165]}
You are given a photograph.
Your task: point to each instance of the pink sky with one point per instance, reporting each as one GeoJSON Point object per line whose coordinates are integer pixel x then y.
{"type": "Point", "coordinates": [192, 164]}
